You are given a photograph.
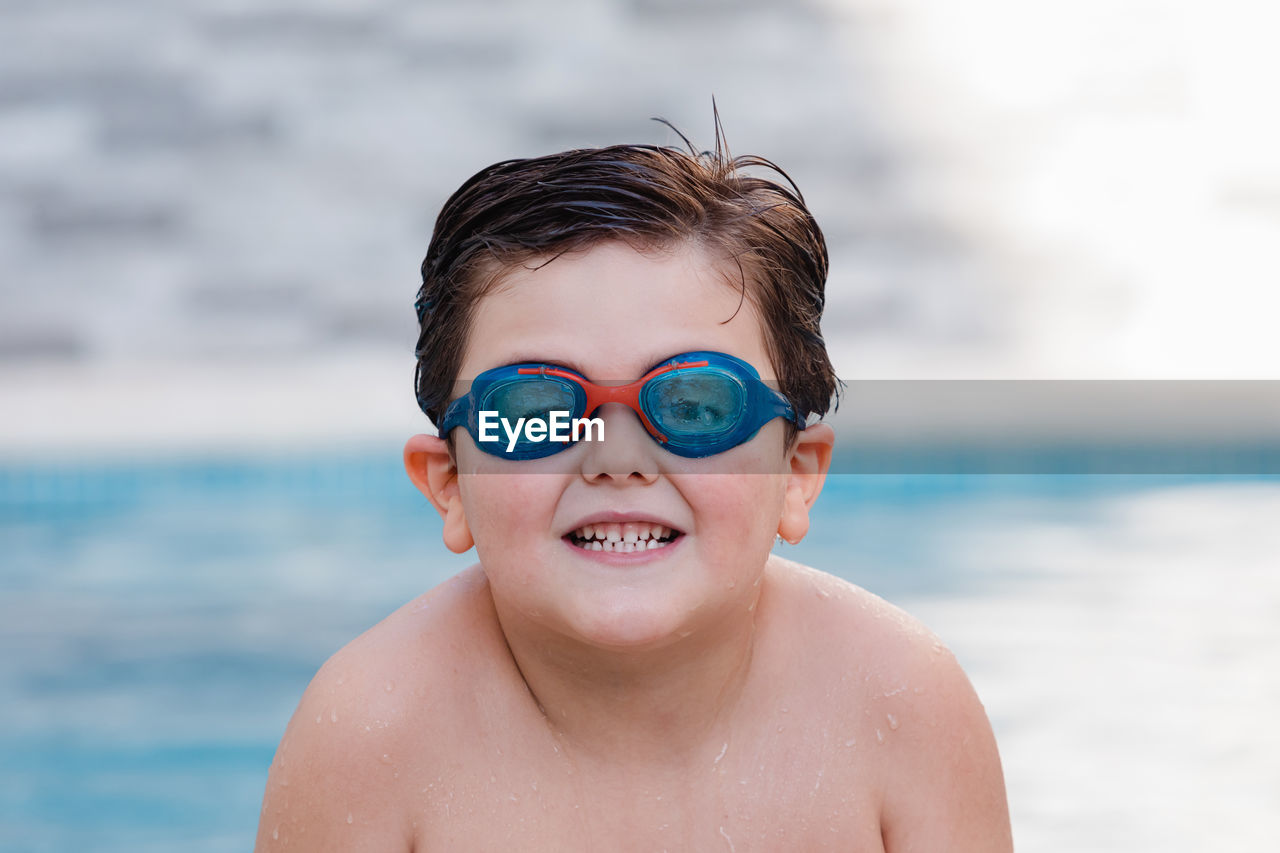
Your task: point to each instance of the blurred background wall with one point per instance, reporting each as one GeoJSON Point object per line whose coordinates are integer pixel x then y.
{"type": "Point", "coordinates": [212, 213]}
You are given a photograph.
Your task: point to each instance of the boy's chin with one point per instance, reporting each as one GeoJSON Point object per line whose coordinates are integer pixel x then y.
{"type": "Point", "coordinates": [634, 628]}
{"type": "Point", "coordinates": [658, 621]}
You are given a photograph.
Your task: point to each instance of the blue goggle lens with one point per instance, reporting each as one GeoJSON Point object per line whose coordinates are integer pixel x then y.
{"type": "Point", "coordinates": [531, 397]}
{"type": "Point", "coordinates": [696, 403]}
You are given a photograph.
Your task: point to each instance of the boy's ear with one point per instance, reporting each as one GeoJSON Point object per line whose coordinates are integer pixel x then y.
{"type": "Point", "coordinates": [810, 459]}
{"type": "Point", "coordinates": [430, 466]}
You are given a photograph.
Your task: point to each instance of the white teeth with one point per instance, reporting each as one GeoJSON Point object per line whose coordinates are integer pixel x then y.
{"type": "Point", "coordinates": [642, 531]}
{"type": "Point", "coordinates": [624, 537]}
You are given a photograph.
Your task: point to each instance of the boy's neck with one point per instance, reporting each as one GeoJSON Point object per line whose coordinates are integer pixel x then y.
{"type": "Point", "coordinates": [659, 707]}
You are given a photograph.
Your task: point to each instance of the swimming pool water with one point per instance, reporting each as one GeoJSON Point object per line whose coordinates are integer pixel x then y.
{"type": "Point", "coordinates": [158, 622]}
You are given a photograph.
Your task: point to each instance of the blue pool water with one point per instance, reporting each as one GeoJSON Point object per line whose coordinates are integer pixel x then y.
{"type": "Point", "coordinates": [158, 622]}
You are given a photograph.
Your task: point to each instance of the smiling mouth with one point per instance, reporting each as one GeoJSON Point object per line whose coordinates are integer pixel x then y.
{"type": "Point", "coordinates": [623, 538]}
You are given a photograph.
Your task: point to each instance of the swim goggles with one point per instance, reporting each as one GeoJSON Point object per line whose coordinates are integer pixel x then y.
{"type": "Point", "coordinates": [694, 404]}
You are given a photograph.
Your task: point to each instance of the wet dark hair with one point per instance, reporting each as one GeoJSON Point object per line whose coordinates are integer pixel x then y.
{"type": "Point", "coordinates": [649, 197]}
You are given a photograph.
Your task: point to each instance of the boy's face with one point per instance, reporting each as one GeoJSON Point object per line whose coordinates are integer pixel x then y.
{"type": "Point", "coordinates": [611, 313]}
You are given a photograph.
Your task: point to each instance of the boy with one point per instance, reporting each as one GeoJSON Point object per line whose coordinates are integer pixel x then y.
{"type": "Point", "coordinates": [628, 667]}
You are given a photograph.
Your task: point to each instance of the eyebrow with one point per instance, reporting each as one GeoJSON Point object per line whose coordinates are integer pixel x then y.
{"type": "Point", "coordinates": [520, 358]}
{"type": "Point", "coordinates": [536, 359]}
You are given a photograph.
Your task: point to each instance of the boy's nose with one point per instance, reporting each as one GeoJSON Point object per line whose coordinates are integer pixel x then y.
{"type": "Point", "coordinates": [626, 454]}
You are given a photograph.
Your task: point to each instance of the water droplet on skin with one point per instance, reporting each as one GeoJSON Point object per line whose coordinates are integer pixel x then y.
{"type": "Point", "coordinates": [318, 716]}
{"type": "Point", "coordinates": [779, 728]}
{"type": "Point", "coordinates": [783, 710]}
{"type": "Point", "coordinates": [850, 742]}
{"type": "Point", "coordinates": [386, 758]}
{"type": "Point", "coordinates": [879, 735]}
{"type": "Point", "coordinates": [391, 685]}
{"type": "Point", "coordinates": [333, 715]}
{"type": "Point", "coordinates": [350, 818]}
{"type": "Point", "coordinates": [893, 722]}
{"type": "Point", "coordinates": [514, 798]}
{"type": "Point", "coordinates": [275, 834]}
{"type": "Point", "coordinates": [822, 593]}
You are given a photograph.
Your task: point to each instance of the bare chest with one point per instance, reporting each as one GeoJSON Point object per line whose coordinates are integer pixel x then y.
{"type": "Point", "coordinates": [759, 800]}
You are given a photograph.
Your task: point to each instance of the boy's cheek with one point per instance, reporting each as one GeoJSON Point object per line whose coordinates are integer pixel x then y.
{"type": "Point", "coordinates": [500, 501]}
{"type": "Point", "coordinates": [730, 503]}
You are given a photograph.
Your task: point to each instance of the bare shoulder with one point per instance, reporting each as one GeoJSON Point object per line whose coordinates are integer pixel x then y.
{"type": "Point", "coordinates": [932, 747]}
{"type": "Point", "coordinates": [368, 724]}
{"type": "Point", "coordinates": [891, 651]}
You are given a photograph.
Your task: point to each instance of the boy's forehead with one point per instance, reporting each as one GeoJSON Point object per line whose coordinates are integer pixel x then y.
{"type": "Point", "coordinates": [612, 311]}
